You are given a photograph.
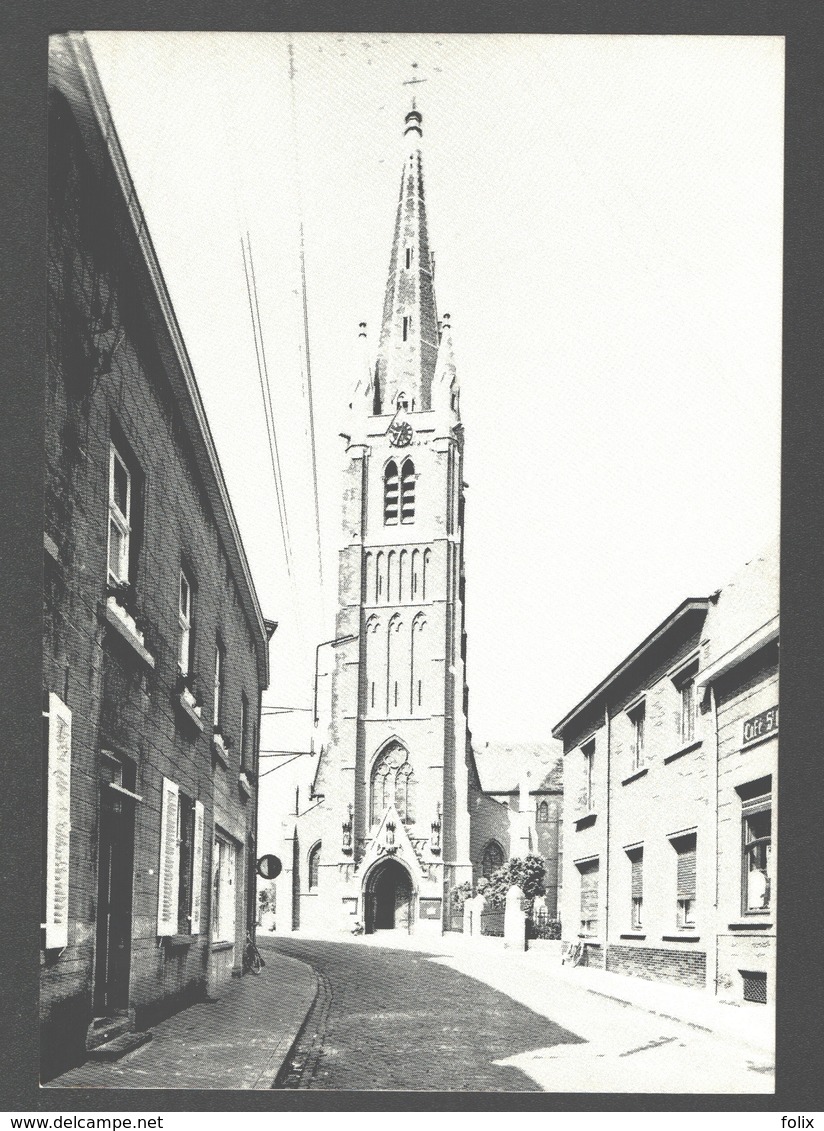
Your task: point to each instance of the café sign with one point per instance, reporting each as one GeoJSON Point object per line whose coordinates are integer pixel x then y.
{"type": "Point", "coordinates": [761, 726]}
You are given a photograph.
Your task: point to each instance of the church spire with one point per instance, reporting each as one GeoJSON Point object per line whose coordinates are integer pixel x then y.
{"type": "Point", "coordinates": [408, 347]}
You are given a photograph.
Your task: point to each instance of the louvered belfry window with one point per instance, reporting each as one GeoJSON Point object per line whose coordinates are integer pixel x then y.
{"type": "Point", "coordinates": [408, 491]}
{"type": "Point", "coordinates": [390, 494]}
{"type": "Point", "coordinates": [685, 847]}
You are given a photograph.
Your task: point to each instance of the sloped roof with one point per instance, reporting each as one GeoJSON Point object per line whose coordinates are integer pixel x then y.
{"type": "Point", "coordinates": [500, 765]}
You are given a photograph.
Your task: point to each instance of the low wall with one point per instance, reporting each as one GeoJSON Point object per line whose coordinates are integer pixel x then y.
{"type": "Point", "coordinates": [658, 964]}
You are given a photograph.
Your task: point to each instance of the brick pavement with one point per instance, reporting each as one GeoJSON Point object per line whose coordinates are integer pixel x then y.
{"type": "Point", "coordinates": [396, 1020]}
{"type": "Point", "coordinates": [238, 1041]}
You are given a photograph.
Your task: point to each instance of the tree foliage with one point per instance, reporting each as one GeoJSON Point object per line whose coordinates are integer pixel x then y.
{"type": "Point", "coordinates": [527, 873]}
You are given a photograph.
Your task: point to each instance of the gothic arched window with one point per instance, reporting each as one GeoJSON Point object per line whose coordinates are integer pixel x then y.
{"type": "Point", "coordinates": [390, 494]}
{"type": "Point", "coordinates": [314, 865]}
{"type": "Point", "coordinates": [416, 665]}
{"type": "Point", "coordinates": [391, 583]}
{"type": "Point", "coordinates": [394, 661]}
{"type": "Point", "coordinates": [543, 813]}
{"type": "Point", "coordinates": [379, 578]}
{"type": "Point", "coordinates": [427, 559]}
{"type": "Point", "coordinates": [493, 858]}
{"type": "Point", "coordinates": [392, 780]}
{"type": "Point", "coordinates": [407, 491]}
{"type": "Point", "coordinates": [403, 579]}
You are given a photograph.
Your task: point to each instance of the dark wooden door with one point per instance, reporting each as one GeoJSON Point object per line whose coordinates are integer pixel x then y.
{"type": "Point", "coordinates": [114, 898]}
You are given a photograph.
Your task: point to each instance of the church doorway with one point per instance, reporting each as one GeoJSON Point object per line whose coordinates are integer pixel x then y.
{"type": "Point", "coordinates": [388, 898]}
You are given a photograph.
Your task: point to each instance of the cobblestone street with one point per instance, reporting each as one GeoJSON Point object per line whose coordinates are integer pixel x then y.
{"type": "Point", "coordinates": [378, 1006]}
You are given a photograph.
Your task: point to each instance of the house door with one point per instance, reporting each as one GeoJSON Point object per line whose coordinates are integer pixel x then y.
{"type": "Point", "coordinates": [114, 889]}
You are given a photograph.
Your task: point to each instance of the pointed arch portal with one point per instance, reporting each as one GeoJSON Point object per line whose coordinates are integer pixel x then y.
{"type": "Point", "coordinates": [388, 897]}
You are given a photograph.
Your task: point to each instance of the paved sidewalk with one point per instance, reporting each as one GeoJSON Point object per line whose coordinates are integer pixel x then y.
{"type": "Point", "coordinates": [237, 1041]}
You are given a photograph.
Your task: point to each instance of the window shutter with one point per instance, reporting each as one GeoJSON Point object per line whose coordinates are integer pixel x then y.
{"type": "Point", "coordinates": [168, 876]}
{"type": "Point", "coordinates": [638, 876]}
{"type": "Point", "coordinates": [589, 891]}
{"type": "Point", "coordinates": [686, 870]}
{"type": "Point", "coordinates": [197, 868]}
{"type": "Point", "coordinates": [58, 825]}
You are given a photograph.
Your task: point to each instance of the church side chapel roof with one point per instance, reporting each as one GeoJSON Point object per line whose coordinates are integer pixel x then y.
{"type": "Point", "coordinates": [499, 766]}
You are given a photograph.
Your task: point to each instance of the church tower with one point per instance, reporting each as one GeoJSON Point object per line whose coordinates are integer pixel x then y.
{"type": "Point", "coordinates": [390, 837]}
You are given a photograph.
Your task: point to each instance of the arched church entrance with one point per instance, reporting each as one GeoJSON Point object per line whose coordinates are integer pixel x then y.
{"type": "Point", "coordinates": [388, 898]}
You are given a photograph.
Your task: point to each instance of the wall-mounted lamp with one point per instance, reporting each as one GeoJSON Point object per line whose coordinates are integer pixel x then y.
{"type": "Point", "coordinates": [435, 840]}
{"type": "Point", "coordinates": [347, 834]}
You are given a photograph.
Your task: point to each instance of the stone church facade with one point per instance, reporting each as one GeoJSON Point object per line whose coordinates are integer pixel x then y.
{"type": "Point", "coordinates": [388, 835]}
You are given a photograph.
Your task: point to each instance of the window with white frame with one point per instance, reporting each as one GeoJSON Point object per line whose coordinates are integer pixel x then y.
{"type": "Point", "coordinates": [756, 832]}
{"type": "Point", "coordinates": [120, 518]}
{"type": "Point", "coordinates": [685, 851]}
{"type": "Point", "coordinates": [244, 728]}
{"type": "Point", "coordinates": [636, 863]}
{"type": "Point", "coordinates": [588, 751]}
{"type": "Point", "coordinates": [684, 682]}
{"type": "Point", "coordinates": [185, 613]}
{"type": "Point", "coordinates": [217, 702]}
{"type": "Point", "coordinates": [180, 875]}
{"type": "Point", "coordinates": [637, 718]}
{"type": "Point", "coordinates": [223, 890]}
{"type": "Point", "coordinates": [588, 871]}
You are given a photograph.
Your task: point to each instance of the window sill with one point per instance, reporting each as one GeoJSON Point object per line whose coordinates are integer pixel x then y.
{"type": "Point", "coordinates": [636, 775]}
{"type": "Point", "coordinates": [122, 623]}
{"type": "Point", "coordinates": [220, 749]}
{"type": "Point", "coordinates": [750, 925]}
{"type": "Point", "coordinates": [177, 941]}
{"type": "Point", "coordinates": [585, 822]}
{"type": "Point", "coordinates": [684, 750]}
{"type": "Point", "coordinates": [191, 713]}
{"type": "Point", "coordinates": [226, 945]}
{"type": "Point", "coordinates": [632, 935]}
{"type": "Point", "coordinates": [685, 936]}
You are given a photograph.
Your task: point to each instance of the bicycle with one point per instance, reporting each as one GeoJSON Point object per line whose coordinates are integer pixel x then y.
{"type": "Point", "coordinates": [252, 961]}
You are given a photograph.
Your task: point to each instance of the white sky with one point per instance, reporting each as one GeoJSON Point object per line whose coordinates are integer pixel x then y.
{"type": "Point", "coordinates": [606, 216]}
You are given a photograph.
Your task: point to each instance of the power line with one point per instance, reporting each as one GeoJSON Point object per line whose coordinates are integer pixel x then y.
{"type": "Point", "coordinates": [305, 308]}
{"type": "Point", "coordinates": [266, 393]}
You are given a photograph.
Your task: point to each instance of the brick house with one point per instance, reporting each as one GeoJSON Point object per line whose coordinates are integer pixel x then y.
{"type": "Point", "coordinates": [155, 649]}
{"type": "Point", "coordinates": [669, 774]}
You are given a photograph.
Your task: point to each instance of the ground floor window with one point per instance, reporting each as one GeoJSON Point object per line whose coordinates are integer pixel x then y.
{"type": "Point", "coordinates": [223, 892]}
{"type": "Point", "coordinates": [181, 862]}
{"type": "Point", "coordinates": [589, 897]}
{"type": "Point", "coordinates": [685, 849]}
{"type": "Point", "coordinates": [756, 832]}
{"type": "Point", "coordinates": [636, 859]}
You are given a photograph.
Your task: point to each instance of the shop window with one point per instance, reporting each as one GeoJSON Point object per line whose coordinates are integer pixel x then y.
{"type": "Point", "coordinates": [756, 879]}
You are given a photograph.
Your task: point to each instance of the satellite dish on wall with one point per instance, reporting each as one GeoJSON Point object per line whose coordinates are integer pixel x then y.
{"type": "Point", "coordinates": [269, 867]}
